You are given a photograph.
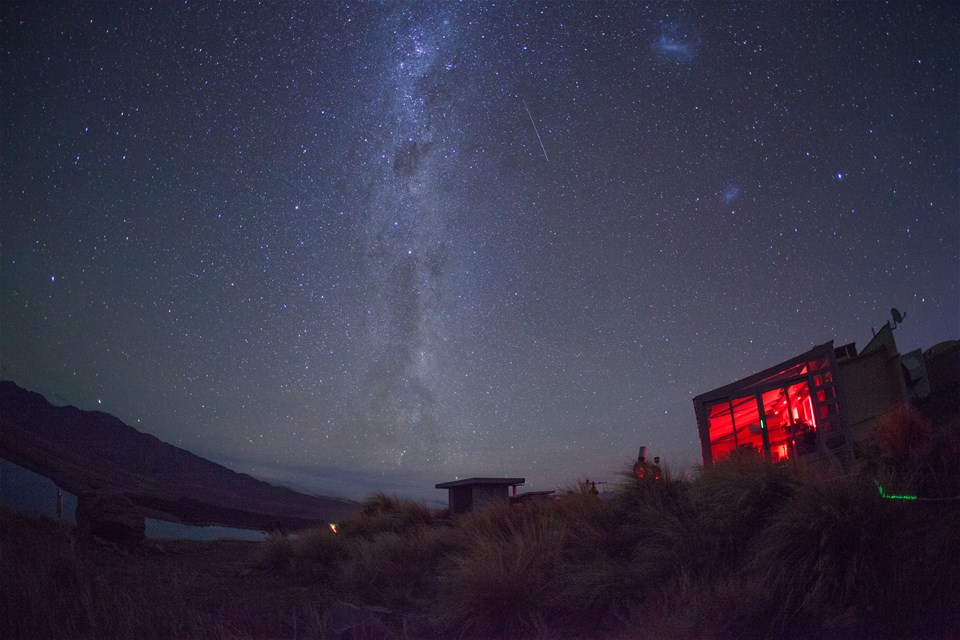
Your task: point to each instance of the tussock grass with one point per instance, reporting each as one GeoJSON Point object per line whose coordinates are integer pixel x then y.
{"type": "Point", "coordinates": [502, 583]}
{"type": "Point", "coordinates": [318, 550]}
{"type": "Point", "coordinates": [745, 549]}
{"type": "Point", "coordinates": [832, 543]}
{"type": "Point", "coordinates": [381, 513]}
{"type": "Point", "coordinates": [394, 570]}
{"type": "Point", "coordinates": [919, 455]}
{"type": "Point", "coordinates": [53, 586]}
{"type": "Point", "coordinates": [277, 552]}
{"type": "Point", "coordinates": [738, 496]}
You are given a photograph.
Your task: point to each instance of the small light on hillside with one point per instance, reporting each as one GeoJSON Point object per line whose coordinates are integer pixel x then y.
{"type": "Point", "coordinates": [333, 527]}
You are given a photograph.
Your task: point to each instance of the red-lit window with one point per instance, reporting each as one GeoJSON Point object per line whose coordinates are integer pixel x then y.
{"type": "Point", "coordinates": [831, 394]}
{"type": "Point", "coordinates": [722, 440]}
{"type": "Point", "coordinates": [777, 411]}
{"type": "Point", "coordinates": [749, 426]}
{"type": "Point", "coordinates": [803, 428]}
{"type": "Point", "coordinates": [740, 428]}
{"type": "Point", "coordinates": [789, 418]}
{"type": "Point", "coordinates": [779, 416]}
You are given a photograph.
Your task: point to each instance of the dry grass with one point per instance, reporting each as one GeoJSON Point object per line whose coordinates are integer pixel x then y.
{"type": "Point", "coordinates": [915, 454]}
{"type": "Point", "coordinates": [381, 513]}
{"type": "Point", "coordinates": [746, 549]}
{"type": "Point", "coordinates": [394, 570]}
{"type": "Point", "coordinates": [502, 583]}
{"type": "Point", "coordinates": [54, 586]}
{"type": "Point", "coordinates": [830, 544]}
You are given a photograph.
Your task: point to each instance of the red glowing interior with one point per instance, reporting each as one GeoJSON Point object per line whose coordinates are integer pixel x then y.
{"type": "Point", "coordinates": [777, 417]}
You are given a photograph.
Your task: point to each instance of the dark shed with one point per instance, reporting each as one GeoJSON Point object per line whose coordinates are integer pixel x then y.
{"type": "Point", "coordinates": [466, 494]}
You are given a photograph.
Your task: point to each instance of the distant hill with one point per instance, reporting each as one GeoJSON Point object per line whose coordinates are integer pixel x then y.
{"type": "Point", "coordinates": [91, 452]}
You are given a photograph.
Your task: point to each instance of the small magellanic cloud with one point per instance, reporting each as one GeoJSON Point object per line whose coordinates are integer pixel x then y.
{"type": "Point", "coordinates": [730, 194]}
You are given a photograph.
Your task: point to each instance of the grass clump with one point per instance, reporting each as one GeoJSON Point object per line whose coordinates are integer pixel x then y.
{"type": "Point", "coordinates": [833, 542]}
{"type": "Point", "coordinates": [381, 513]}
{"type": "Point", "coordinates": [501, 584]}
{"type": "Point", "coordinates": [916, 454]}
{"type": "Point", "coordinates": [744, 549]}
{"type": "Point", "coordinates": [399, 571]}
{"type": "Point", "coordinates": [277, 552]}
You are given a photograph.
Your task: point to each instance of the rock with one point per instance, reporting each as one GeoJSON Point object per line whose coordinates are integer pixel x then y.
{"type": "Point", "coordinates": [113, 518]}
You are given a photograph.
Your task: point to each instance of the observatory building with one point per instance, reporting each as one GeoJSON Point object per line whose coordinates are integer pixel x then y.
{"type": "Point", "coordinates": [817, 404]}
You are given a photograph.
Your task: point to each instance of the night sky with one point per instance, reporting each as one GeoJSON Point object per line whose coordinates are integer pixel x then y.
{"type": "Point", "coordinates": [368, 246]}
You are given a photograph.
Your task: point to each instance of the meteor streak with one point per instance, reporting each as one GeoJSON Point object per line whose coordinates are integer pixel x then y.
{"type": "Point", "coordinates": [537, 131]}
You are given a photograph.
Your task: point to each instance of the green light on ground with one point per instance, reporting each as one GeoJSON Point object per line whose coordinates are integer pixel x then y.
{"type": "Point", "coordinates": [883, 494]}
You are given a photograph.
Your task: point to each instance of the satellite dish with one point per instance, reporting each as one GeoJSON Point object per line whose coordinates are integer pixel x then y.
{"type": "Point", "coordinates": [897, 317]}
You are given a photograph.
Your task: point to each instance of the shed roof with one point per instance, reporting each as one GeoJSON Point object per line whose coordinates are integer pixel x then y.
{"type": "Point", "coordinates": [509, 482]}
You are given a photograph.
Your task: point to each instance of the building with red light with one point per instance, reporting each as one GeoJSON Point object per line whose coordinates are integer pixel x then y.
{"type": "Point", "coordinates": [817, 404]}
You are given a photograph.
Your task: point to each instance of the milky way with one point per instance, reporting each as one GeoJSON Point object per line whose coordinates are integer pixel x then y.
{"type": "Point", "coordinates": [384, 245]}
{"type": "Point", "coordinates": [407, 243]}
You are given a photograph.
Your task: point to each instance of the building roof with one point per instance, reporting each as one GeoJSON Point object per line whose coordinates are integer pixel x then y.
{"type": "Point", "coordinates": [532, 495]}
{"type": "Point", "coordinates": [509, 482]}
{"type": "Point", "coordinates": [882, 340]}
{"type": "Point", "coordinates": [762, 376]}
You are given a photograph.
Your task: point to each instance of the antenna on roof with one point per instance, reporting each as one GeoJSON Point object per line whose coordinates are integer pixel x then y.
{"type": "Point", "coordinates": [897, 317]}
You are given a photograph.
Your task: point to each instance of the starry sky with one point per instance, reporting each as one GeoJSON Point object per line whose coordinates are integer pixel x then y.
{"type": "Point", "coordinates": [363, 246]}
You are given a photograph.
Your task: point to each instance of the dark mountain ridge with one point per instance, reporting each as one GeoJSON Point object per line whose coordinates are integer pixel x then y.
{"type": "Point", "coordinates": [95, 453]}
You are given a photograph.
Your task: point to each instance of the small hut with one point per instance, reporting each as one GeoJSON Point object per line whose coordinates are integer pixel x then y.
{"type": "Point", "coordinates": [466, 494]}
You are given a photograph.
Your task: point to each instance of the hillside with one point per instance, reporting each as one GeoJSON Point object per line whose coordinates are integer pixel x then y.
{"type": "Point", "coordinates": [91, 452]}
